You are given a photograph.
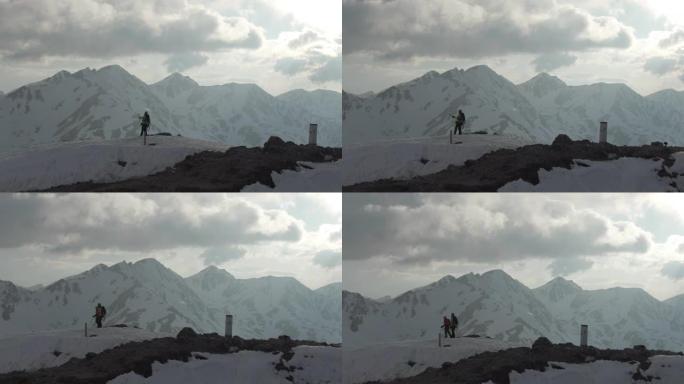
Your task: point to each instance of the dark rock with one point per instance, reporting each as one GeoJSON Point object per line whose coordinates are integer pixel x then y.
{"type": "Point", "coordinates": [186, 333]}
{"type": "Point", "coordinates": [90, 355]}
{"type": "Point", "coordinates": [541, 343]}
{"type": "Point", "coordinates": [561, 139]}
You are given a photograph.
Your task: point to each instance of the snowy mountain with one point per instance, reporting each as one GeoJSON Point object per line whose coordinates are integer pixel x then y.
{"type": "Point", "coordinates": [423, 107]}
{"type": "Point", "coordinates": [498, 306]}
{"type": "Point", "coordinates": [153, 297]}
{"type": "Point", "coordinates": [536, 110]}
{"type": "Point", "coordinates": [107, 103]}
{"type": "Point", "coordinates": [271, 306]}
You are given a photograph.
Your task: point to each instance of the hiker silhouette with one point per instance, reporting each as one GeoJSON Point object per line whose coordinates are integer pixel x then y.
{"type": "Point", "coordinates": [145, 123]}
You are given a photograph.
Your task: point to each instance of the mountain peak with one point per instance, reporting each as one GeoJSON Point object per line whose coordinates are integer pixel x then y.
{"type": "Point", "coordinates": [542, 84]}
{"type": "Point", "coordinates": [481, 69]}
{"type": "Point", "coordinates": [213, 270]}
{"type": "Point", "coordinates": [114, 68]}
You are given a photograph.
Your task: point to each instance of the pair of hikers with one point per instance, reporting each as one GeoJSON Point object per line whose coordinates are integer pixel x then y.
{"type": "Point", "coordinates": [100, 313]}
{"type": "Point", "coordinates": [459, 122]}
{"type": "Point", "coordinates": [450, 325]}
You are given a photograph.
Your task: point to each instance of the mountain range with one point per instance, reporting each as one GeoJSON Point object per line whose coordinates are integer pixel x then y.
{"type": "Point", "coordinates": [149, 295]}
{"type": "Point", "coordinates": [536, 110]}
{"type": "Point", "coordinates": [107, 103]}
{"type": "Point", "coordinates": [496, 305]}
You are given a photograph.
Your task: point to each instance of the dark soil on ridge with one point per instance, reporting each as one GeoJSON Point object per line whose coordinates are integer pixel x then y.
{"type": "Point", "coordinates": [497, 366]}
{"type": "Point", "coordinates": [498, 168]}
{"type": "Point", "coordinates": [139, 356]}
{"type": "Point", "coordinates": [209, 171]}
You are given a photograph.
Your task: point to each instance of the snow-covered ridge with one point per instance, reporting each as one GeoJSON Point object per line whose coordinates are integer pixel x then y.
{"type": "Point", "coordinates": [536, 110]}
{"type": "Point", "coordinates": [106, 104]}
{"type": "Point", "coordinates": [496, 305]}
{"type": "Point", "coordinates": [148, 295]}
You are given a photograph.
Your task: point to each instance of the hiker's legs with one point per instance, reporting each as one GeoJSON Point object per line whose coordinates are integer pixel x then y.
{"type": "Point", "coordinates": [446, 332]}
{"type": "Point", "coordinates": [98, 320]}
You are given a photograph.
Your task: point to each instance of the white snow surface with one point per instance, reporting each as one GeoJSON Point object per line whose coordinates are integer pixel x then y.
{"type": "Point", "coordinates": [388, 361]}
{"type": "Point", "coordinates": [38, 350]}
{"type": "Point", "coordinates": [98, 161]}
{"type": "Point", "coordinates": [620, 175]}
{"type": "Point", "coordinates": [404, 158]}
{"type": "Point", "coordinates": [309, 177]}
{"type": "Point", "coordinates": [320, 365]}
{"type": "Point", "coordinates": [669, 370]}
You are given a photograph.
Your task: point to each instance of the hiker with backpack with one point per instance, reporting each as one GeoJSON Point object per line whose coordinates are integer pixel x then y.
{"type": "Point", "coordinates": [459, 122]}
{"type": "Point", "coordinates": [454, 325]}
{"type": "Point", "coordinates": [446, 324]}
{"type": "Point", "coordinates": [145, 123]}
{"type": "Point", "coordinates": [100, 313]}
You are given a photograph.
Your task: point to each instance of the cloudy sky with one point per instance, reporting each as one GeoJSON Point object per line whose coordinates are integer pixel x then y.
{"type": "Point", "coordinates": [46, 237]}
{"type": "Point", "coordinates": [637, 42]}
{"type": "Point", "coordinates": [278, 44]}
{"type": "Point", "coordinates": [396, 242]}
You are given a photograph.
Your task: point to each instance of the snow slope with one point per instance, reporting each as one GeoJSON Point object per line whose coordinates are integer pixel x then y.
{"type": "Point", "coordinates": [407, 158]}
{"type": "Point", "coordinates": [623, 175]}
{"type": "Point", "coordinates": [388, 361]}
{"type": "Point", "coordinates": [319, 365]}
{"type": "Point", "coordinates": [53, 348]}
{"type": "Point", "coordinates": [668, 370]}
{"type": "Point", "coordinates": [495, 305]}
{"type": "Point", "coordinates": [106, 104]}
{"type": "Point", "coordinates": [148, 295]}
{"type": "Point", "coordinates": [98, 161]}
{"type": "Point", "coordinates": [537, 110]}
{"type": "Point", "coordinates": [423, 107]}
{"type": "Point", "coordinates": [270, 306]}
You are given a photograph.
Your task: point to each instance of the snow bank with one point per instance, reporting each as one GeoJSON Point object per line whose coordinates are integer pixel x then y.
{"type": "Point", "coordinates": [407, 158]}
{"type": "Point", "coordinates": [669, 370]}
{"type": "Point", "coordinates": [53, 348]}
{"type": "Point", "coordinates": [319, 365]}
{"type": "Point", "coordinates": [98, 161]}
{"type": "Point", "coordinates": [389, 361]}
{"type": "Point", "coordinates": [621, 175]}
{"type": "Point", "coordinates": [311, 177]}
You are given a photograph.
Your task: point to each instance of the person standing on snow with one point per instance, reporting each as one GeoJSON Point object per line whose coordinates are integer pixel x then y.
{"type": "Point", "coordinates": [145, 123]}
{"type": "Point", "coordinates": [460, 122]}
{"type": "Point", "coordinates": [454, 325]}
{"type": "Point", "coordinates": [100, 313]}
{"type": "Point", "coordinates": [447, 327]}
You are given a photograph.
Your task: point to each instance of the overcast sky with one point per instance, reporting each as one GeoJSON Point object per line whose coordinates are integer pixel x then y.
{"type": "Point", "coordinates": [46, 237]}
{"type": "Point", "coordinates": [637, 42]}
{"type": "Point", "coordinates": [397, 242]}
{"type": "Point", "coordinates": [277, 44]}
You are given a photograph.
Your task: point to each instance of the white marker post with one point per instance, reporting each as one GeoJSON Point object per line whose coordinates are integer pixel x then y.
{"type": "Point", "coordinates": [313, 134]}
{"type": "Point", "coordinates": [584, 335]}
{"type": "Point", "coordinates": [229, 325]}
{"type": "Point", "coordinates": [603, 132]}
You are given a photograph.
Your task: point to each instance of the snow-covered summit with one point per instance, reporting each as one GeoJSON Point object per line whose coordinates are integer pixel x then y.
{"type": "Point", "coordinates": [496, 305]}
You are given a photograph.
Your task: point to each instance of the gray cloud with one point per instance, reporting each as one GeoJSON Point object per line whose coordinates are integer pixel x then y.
{"type": "Point", "coordinates": [220, 255]}
{"type": "Point", "coordinates": [403, 29]}
{"type": "Point", "coordinates": [330, 71]}
{"type": "Point", "coordinates": [673, 270]}
{"type": "Point", "coordinates": [303, 39]}
{"type": "Point", "coordinates": [564, 267]}
{"type": "Point", "coordinates": [660, 65]}
{"type": "Point", "coordinates": [552, 61]}
{"type": "Point", "coordinates": [320, 67]}
{"type": "Point", "coordinates": [466, 227]}
{"type": "Point", "coordinates": [184, 61]}
{"type": "Point", "coordinates": [97, 29]}
{"type": "Point", "coordinates": [328, 259]}
{"type": "Point", "coordinates": [291, 66]}
{"type": "Point", "coordinates": [675, 38]}
{"type": "Point", "coordinates": [70, 224]}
